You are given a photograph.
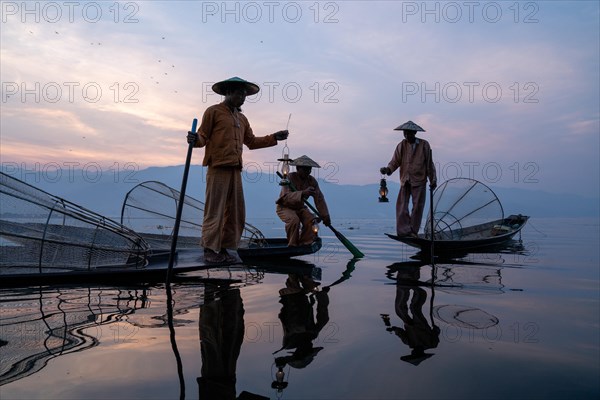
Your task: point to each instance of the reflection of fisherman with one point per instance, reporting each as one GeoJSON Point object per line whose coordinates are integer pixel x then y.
{"type": "Point", "coordinates": [300, 327]}
{"type": "Point", "coordinates": [417, 333]}
{"type": "Point", "coordinates": [221, 336]}
{"type": "Point", "coordinates": [291, 208]}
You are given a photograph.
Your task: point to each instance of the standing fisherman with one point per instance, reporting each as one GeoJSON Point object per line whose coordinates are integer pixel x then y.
{"type": "Point", "coordinates": [413, 157]}
{"type": "Point", "coordinates": [223, 130]}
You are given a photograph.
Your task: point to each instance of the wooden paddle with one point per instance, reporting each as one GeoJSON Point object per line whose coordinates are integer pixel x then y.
{"type": "Point", "coordinates": [355, 252]}
{"type": "Point", "coordinates": [186, 170]}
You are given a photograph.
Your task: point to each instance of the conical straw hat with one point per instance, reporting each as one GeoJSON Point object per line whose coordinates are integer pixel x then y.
{"type": "Point", "coordinates": [409, 126]}
{"type": "Point", "coordinates": [304, 161]}
{"type": "Point", "coordinates": [222, 87]}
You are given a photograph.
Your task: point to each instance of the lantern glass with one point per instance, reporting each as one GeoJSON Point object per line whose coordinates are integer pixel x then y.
{"type": "Point", "coordinates": [383, 191]}
{"type": "Point", "coordinates": [285, 169]}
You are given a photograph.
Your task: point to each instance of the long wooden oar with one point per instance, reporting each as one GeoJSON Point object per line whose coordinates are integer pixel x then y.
{"type": "Point", "coordinates": [186, 170]}
{"type": "Point", "coordinates": [431, 210]}
{"type": "Point", "coordinates": [355, 252]}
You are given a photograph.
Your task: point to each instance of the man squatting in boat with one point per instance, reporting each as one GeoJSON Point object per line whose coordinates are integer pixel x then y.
{"type": "Point", "coordinates": [299, 221]}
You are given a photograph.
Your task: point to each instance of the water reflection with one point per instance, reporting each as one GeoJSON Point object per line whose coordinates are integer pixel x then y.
{"type": "Point", "coordinates": [222, 327]}
{"type": "Point", "coordinates": [417, 332]}
{"type": "Point", "coordinates": [420, 332]}
{"type": "Point", "coordinates": [304, 313]}
{"type": "Point", "coordinates": [477, 274]}
{"type": "Point", "coordinates": [513, 246]}
{"type": "Point", "coordinates": [221, 337]}
{"type": "Point", "coordinates": [41, 323]}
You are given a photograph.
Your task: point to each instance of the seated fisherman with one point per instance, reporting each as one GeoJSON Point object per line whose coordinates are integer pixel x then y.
{"type": "Point", "coordinates": [298, 219]}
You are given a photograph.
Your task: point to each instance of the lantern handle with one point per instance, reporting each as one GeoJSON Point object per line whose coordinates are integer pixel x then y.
{"type": "Point", "coordinates": [285, 151]}
{"type": "Point", "coordinates": [286, 128]}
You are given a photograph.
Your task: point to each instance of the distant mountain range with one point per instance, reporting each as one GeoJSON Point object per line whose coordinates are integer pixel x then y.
{"type": "Point", "coordinates": [104, 191]}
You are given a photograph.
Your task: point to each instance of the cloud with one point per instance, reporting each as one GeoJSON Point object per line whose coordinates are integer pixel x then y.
{"type": "Point", "coordinates": [345, 71]}
{"type": "Point", "coordinates": [588, 128]}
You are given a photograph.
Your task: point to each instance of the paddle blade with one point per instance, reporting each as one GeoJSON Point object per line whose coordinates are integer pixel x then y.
{"type": "Point", "coordinates": [351, 248]}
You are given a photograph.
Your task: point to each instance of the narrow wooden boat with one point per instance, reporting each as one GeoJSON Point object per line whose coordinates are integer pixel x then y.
{"type": "Point", "coordinates": [276, 248]}
{"type": "Point", "coordinates": [189, 265]}
{"type": "Point", "coordinates": [488, 236]}
{"type": "Point", "coordinates": [249, 250]}
{"type": "Point", "coordinates": [155, 270]}
{"type": "Point", "coordinates": [465, 216]}
{"type": "Point", "coordinates": [45, 239]}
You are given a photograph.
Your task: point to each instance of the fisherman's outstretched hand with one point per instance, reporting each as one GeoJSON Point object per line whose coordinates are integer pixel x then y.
{"type": "Point", "coordinates": [281, 135]}
{"type": "Point", "coordinates": [385, 171]}
{"type": "Point", "coordinates": [192, 137]}
{"type": "Point", "coordinates": [326, 220]}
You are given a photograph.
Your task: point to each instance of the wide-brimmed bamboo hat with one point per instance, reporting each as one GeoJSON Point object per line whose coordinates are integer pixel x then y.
{"type": "Point", "coordinates": [409, 126]}
{"type": "Point", "coordinates": [223, 86]}
{"type": "Point", "coordinates": [304, 161]}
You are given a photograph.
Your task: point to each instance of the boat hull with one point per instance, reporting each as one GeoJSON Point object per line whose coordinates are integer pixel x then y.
{"type": "Point", "coordinates": [277, 248]}
{"type": "Point", "coordinates": [155, 270]}
{"type": "Point", "coordinates": [493, 239]}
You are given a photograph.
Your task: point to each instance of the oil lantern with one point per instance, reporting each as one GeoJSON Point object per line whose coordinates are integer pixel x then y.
{"type": "Point", "coordinates": [383, 191]}
{"type": "Point", "coordinates": [285, 167]}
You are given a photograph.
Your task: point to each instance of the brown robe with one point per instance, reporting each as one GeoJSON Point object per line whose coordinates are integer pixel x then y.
{"type": "Point", "coordinates": [416, 165]}
{"type": "Point", "coordinates": [295, 214]}
{"type": "Point", "coordinates": [224, 132]}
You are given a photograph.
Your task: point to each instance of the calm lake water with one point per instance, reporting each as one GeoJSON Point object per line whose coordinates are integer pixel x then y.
{"type": "Point", "coordinates": [522, 324]}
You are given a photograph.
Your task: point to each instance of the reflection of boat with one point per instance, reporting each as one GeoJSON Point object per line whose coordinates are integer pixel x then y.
{"type": "Point", "coordinates": [456, 276]}
{"type": "Point", "coordinates": [150, 209]}
{"type": "Point", "coordinates": [45, 322]}
{"type": "Point", "coordinates": [291, 266]}
{"type": "Point", "coordinates": [411, 296]}
{"type": "Point", "coordinates": [467, 217]}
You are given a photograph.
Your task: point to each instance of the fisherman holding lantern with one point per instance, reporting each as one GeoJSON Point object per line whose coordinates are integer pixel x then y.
{"type": "Point", "coordinates": [413, 157]}
{"type": "Point", "coordinates": [223, 131]}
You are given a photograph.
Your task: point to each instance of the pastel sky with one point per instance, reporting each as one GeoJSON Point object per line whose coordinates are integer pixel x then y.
{"type": "Point", "coordinates": [508, 92]}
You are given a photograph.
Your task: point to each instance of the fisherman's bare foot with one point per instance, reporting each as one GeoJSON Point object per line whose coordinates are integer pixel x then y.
{"type": "Point", "coordinates": [408, 234]}
{"type": "Point", "coordinates": [211, 257]}
{"type": "Point", "coordinates": [228, 257]}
